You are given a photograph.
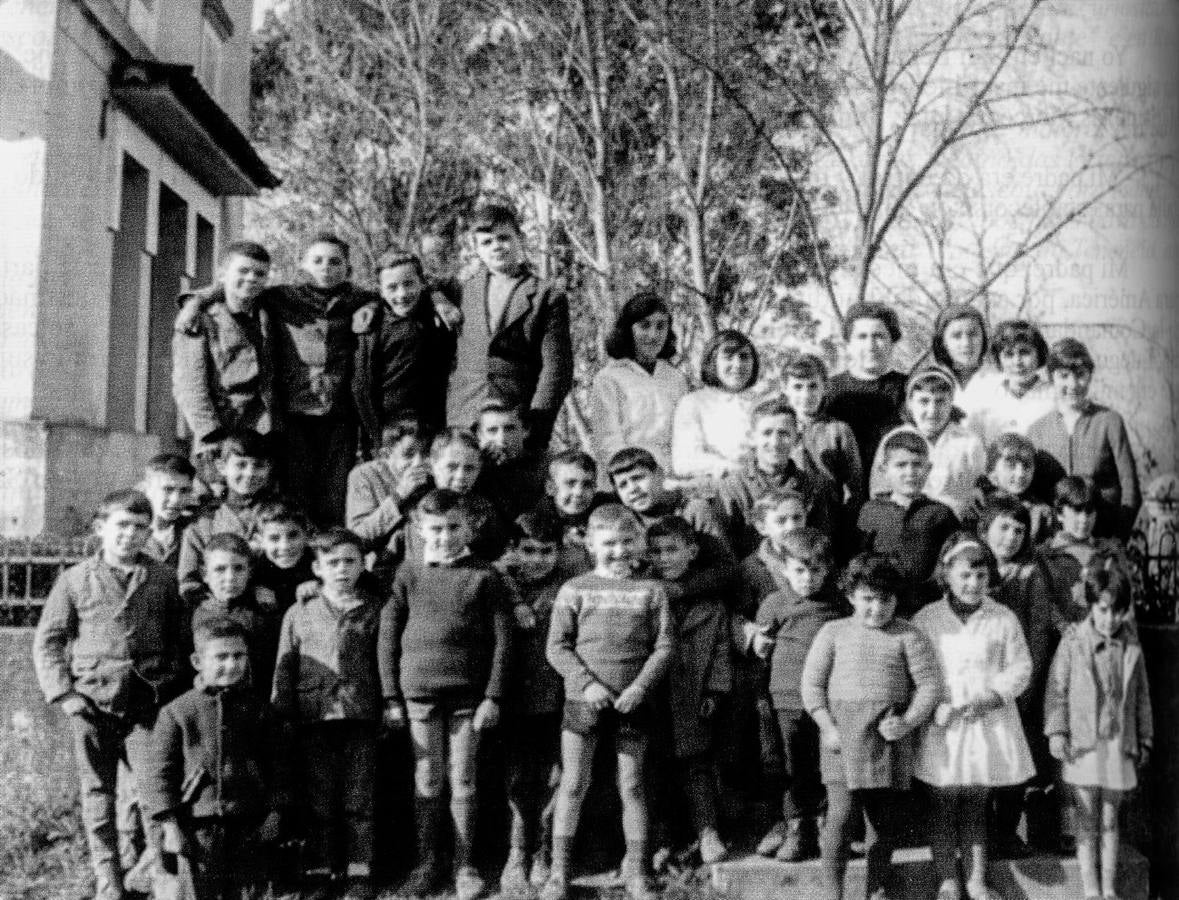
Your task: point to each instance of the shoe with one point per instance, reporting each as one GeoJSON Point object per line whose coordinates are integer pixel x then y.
{"type": "Point", "coordinates": [712, 848]}
{"type": "Point", "coordinates": [139, 880]}
{"type": "Point", "coordinates": [468, 883]}
{"type": "Point", "coordinates": [538, 875]}
{"type": "Point", "coordinates": [424, 879]}
{"type": "Point", "coordinates": [359, 889]}
{"type": "Point", "coordinates": [982, 892]}
{"type": "Point", "coordinates": [513, 880]}
{"type": "Point", "coordinates": [769, 844]}
{"type": "Point", "coordinates": [799, 843]}
{"type": "Point", "coordinates": [641, 887]}
{"type": "Point", "coordinates": [949, 890]}
{"type": "Point", "coordinates": [556, 888]}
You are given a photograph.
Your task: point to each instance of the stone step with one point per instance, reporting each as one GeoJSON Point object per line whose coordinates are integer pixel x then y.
{"type": "Point", "coordinates": [1040, 877]}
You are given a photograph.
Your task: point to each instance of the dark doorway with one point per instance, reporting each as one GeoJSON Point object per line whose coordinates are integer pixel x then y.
{"type": "Point", "coordinates": [127, 261]}
{"type": "Point", "coordinates": [167, 273]}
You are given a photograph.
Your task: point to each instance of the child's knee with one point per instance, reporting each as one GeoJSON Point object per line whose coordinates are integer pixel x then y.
{"type": "Point", "coordinates": [427, 776]}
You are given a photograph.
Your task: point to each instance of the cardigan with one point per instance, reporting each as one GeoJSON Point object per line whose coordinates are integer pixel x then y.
{"type": "Point", "coordinates": [629, 407]}
{"type": "Point", "coordinates": [996, 410]}
{"type": "Point", "coordinates": [710, 432]}
{"type": "Point", "coordinates": [1098, 448]}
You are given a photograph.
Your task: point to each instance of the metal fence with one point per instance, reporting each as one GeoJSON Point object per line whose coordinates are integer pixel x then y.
{"type": "Point", "coordinates": [1154, 556]}
{"type": "Point", "coordinates": [28, 568]}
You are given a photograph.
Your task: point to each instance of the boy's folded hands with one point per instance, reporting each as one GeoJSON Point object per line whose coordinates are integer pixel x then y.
{"type": "Point", "coordinates": [628, 700]}
{"type": "Point", "coordinates": [597, 695]}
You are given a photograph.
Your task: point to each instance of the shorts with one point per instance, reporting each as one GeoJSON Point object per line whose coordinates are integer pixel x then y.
{"type": "Point", "coordinates": [581, 718]}
{"type": "Point", "coordinates": [422, 709]}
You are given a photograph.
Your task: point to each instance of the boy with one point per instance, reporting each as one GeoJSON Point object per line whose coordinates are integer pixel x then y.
{"type": "Point", "coordinates": [284, 542]}
{"type": "Point", "coordinates": [382, 492]}
{"type": "Point", "coordinates": [638, 480]}
{"type": "Point", "coordinates": [905, 522]}
{"type": "Point", "coordinates": [1011, 472]}
{"type": "Point", "coordinates": [244, 464]}
{"type": "Point", "coordinates": [774, 434]}
{"type": "Point", "coordinates": [167, 483]}
{"type": "Point", "coordinates": [612, 638]}
{"type": "Point", "coordinates": [512, 477]}
{"type": "Point", "coordinates": [445, 640]}
{"type": "Point", "coordinates": [698, 680]}
{"type": "Point", "coordinates": [313, 347]}
{"type": "Point", "coordinates": [223, 376]}
{"type": "Point", "coordinates": [404, 357]}
{"type": "Point", "coordinates": [109, 647]}
{"type": "Point", "coordinates": [210, 780]}
{"type": "Point", "coordinates": [1075, 551]}
{"type": "Point", "coordinates": [825, 444]}
{"type": "Point", "coordinates": [571, 495]}
{"type": "Point", "coordinates": [514, 345]}
{"type": "Point", "coordinates": [227, 568]}
{"type": "Point", "coordinates": [956, 455]}
{"type": "Point", "coordinates": [326, 686]}
{"type": "Point", "coordinates": [1084, 438]}
{"type": "Point", "coordinates": [534, 697]}
{"type": "Point", "coordinates": [869, 395]}
{"type": "Point", "coordinates": [787, 621]}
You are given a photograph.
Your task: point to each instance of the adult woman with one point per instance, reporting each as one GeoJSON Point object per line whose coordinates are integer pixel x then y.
{"type": "Point", "coordinates": [633, 397]}
{"type": "Point", "coordinates": [711, 425]}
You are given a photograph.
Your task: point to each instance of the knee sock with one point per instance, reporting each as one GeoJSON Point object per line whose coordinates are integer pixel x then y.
{"type": "Point", "coordinates": [462, 814]}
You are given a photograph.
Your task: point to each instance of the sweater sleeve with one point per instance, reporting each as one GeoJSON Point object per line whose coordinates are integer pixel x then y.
{"type": "Point", "coordinates": [56, 628]}
{"type": "Point", "coordinates": [497, 597]}
{"type": "Point", "coordinates": [369, 515]}
{"type": "Point", "coordinates": [1123, 456]}
{"type": "Point", "coordinates": [1145, 715]}
{"type": "Point", "coordinates": [192, 554]}
{"type": "Point", "coordinates": [1013, 678]}
{"type": "Point", "coordinates": [849, 466]}
{"type": "Point", "coordinates": [720, 673]}
{"type": "Point", "coordinates": [769, 614]}
{"type": "Point", "coordinates": [659, 661]}
{"type": "Point", "coordinates": [1057, 691]}
{"type": "Point", "coordinates": [927, 680]}
{"type": "Point", "coordinates": [816, 670]}
{"type": "Point", "coordinates": [561, 648]}
{"type": "Point", "coordinates": [393, 616]}
{"type": "Point", "coordinates": [556, 358]}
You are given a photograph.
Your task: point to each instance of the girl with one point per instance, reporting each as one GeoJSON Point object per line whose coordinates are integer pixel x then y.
{"type": "Point", "coordinates": [868, 681]}
{"type": "Point", "coordinates": [1098, 720]}
{"type": "Point", "coordinates": [1005, 526]}
{"type": "Point", "coordinates": [633, 397]}
{"type": "Point", "coordinates": [711, 426]}
{"type": "Point", "coordinates": [975, 742]}
{"type": "Point", "coordinates": [1087, 439]}
{"type": "Point", "coordinates": [403, 360]}
{"type": "Point", "coordinates": [960, 345]}
{"type": "Point", "coordinates": [1018, 394]}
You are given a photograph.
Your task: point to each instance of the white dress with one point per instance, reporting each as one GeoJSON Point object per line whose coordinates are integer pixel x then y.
{"type": "Point", "coordinates": [985, 653]}
{"type": "Point", "coordinates": [630, 408]}
{"type": "Point", "coordinates": [956, 459]}
{"type": "Point", "coordinates": [994, 410]}
{"type": "Point", "coordinates": [710, 433]}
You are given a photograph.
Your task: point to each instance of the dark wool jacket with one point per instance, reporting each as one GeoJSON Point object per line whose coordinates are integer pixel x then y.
{"type": "Point", "coordinates": [445, 630]}
{"type": "Point", "coordinates": [327, 662]}
{"type": "Point", "coordinates": [107, 640]}
{"type": "Point", "coordinates": [1098, 448]}
{"type": "Point", "coordinates": [793, 621]}
{"type": "Point", "coordinates": [214, 753]}
{"type": "Point", "coordinates": [400, 370]}
{"type": "Point", "coordinates": [714, 573]}
{"type": "Point", "coordinates": [240, 518]}
{"type": "Point", "coordinates": [528, 362]}
{"type": "Point", "coordinates": [534, 687]}
{"type": "Point", "coordinates": [700, 667]}
{"type": "Point", "coordinates": [258, 613]}
{"type": "Point", "coordinates": [871, 407]}
{"type": "Point", "coordinates": [223, 373]}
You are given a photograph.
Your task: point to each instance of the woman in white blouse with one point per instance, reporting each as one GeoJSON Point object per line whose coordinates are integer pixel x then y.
{"type": "Point", "coordinates": [710, 433]}
{"type": "Point", "coordinates": [634, 396]}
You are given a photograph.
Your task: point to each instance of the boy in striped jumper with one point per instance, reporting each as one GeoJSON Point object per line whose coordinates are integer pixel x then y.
{"type": "Point", "coordinates": [612, 637]}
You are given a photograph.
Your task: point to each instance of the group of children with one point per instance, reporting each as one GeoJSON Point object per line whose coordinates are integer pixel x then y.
{"type": "Point", "coordinates": [772, 636]}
